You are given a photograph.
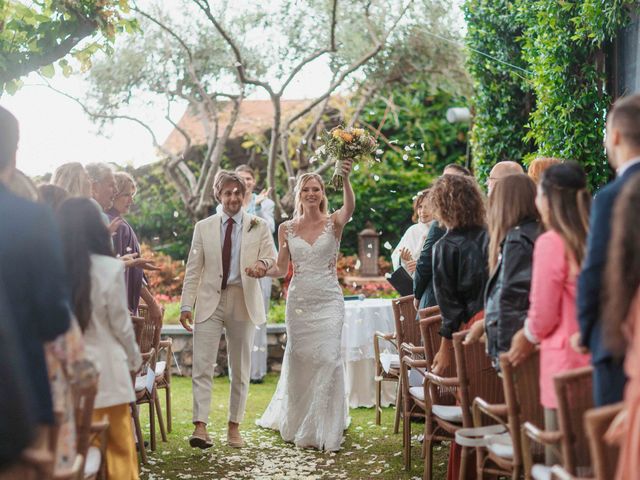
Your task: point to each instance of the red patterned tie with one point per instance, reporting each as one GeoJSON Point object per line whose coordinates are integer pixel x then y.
{"type": "Point", "coordinates": [226, 253]}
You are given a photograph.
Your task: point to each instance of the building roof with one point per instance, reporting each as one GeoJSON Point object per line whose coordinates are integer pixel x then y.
{"type": "Point", "coordinates": [255, 117]}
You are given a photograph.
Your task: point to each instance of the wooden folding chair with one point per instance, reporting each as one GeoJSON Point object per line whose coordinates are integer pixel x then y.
{"type": "Point", "coordinates": [393, 373]}
{"type": "Point", "coordinates": [147, 335]}
{"type": "Point", "coordinates": [85, 389]}
{"type": "Point", "coordinates": [522, 404]}
{"type": "Point", "coordinates": [163, 372]}
{"type": "Point", "coordinates": [407, 331]}
{"type": "Point", "coordinates": [574, 393]}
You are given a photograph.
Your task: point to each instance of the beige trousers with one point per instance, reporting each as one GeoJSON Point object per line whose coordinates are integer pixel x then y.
{"type": "Point", "coordinates": [231, 315]}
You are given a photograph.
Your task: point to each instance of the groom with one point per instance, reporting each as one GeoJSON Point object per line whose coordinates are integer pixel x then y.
{"type": "Point", "coordinates": [230, 251]}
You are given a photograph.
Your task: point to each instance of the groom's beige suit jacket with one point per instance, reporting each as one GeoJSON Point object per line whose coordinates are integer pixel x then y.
{"type": "Point", "coordinates": [203, 276]}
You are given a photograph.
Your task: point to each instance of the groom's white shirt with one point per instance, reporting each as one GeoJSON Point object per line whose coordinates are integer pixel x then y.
{"type": "Point", "coordinates": [251, 241]}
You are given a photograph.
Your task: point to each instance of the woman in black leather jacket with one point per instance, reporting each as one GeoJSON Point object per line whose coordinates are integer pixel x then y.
{"type": "Point", "coordinates": [514, 227]}
{"type": "Point", "coordinates": [459, 257]}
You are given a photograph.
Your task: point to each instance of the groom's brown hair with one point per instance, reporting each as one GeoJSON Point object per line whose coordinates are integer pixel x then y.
{"type": "Point", "coordinates": [222, 178]}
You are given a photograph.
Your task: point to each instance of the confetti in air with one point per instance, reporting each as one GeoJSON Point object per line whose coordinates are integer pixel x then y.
{"type": "Point", "coordinates": [388, 246]}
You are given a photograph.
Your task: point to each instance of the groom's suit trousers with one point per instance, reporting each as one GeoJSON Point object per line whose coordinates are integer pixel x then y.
{"type": "Point", "coordinates": [232, 316]}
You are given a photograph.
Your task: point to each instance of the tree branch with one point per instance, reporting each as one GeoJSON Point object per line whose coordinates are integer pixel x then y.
{"type": "Point", "coordinates": [206, 193]}
{"type": "Point", "coordinates": [242, 75]}
{"type": "Point", "coordinates": [17, 68]}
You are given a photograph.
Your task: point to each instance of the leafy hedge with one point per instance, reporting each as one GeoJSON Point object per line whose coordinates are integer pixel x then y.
{"type": "Point", "coordinates": [560, 46]}
{"type": "Point", "coordinates": [502, 100]}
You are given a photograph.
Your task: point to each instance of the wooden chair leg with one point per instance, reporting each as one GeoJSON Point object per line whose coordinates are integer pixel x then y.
{"type": "Point", "coordinates": [152, 421]}
{"type": "Point", "coordinates": [163, 433]}
{"type": "Point", "coordinates": [428, 458]}
{"type": "Point", "coordinates": [167, 391]}
{"type": "Point", "coordinates": [464, 461]}
{"type": "Point", "coordinates": [396, 424]}
{"type": "Point", "coordinates": [378, 401]}
{"type": "Point", "coordinates": [406, 437]}
{"type": "Point", "coordinates": [139, 437]}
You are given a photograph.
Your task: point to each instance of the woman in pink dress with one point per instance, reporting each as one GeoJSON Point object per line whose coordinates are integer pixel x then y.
{"type": "Point", "coordinates": [563, 202]}
{"type": "Point", "coordinates": [622, 327]}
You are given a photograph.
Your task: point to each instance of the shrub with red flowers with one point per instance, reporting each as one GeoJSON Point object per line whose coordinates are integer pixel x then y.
{"type": "Point", "coordinates": [166, 283]}
{"type": "Point", "coordinates": [346, 266]}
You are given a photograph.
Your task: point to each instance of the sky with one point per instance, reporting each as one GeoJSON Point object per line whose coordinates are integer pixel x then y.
{"type": "Point", "coordinates": [55, 130]}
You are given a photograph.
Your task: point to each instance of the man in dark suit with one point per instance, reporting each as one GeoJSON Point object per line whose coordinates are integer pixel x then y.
{"type": "Point", "coordinates": [623, 149]}
{"type": "Point", "coordinates": [32, 272]}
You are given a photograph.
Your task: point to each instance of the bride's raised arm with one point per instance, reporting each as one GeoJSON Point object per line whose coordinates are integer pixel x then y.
{"type": "Point", "coordinates": [281, 267]}
{"type": "Point", "coordinates": [343, 215]}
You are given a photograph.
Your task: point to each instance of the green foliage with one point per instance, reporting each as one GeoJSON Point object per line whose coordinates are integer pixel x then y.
{"type": "Point", "coordinates": [563, 44]}
{"type": "Point", "coordinates": [421, 143]}
{"type": "Point", "coordinates": [501, 101]}
{"type": "Point", "coordinates": [551, 101]}
{"type": "Point", "coordinates": [158, 216]}
{"type": "Point", "coordinates": [38, 34]}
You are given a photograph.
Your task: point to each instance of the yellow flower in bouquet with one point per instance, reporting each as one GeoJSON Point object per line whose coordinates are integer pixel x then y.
{"type": "Point", "coordinates": [346, 143]}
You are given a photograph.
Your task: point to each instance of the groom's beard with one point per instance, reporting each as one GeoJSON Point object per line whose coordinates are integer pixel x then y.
{"type": "Point", "coordinates": [232, 209]}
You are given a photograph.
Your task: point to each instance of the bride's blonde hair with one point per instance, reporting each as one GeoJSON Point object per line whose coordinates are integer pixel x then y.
{"type": "Point", "coordinates": [302, 181]}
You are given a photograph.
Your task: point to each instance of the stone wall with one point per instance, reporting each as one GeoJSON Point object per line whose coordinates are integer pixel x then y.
{"type": "Point", "coordinates": [183, 349]}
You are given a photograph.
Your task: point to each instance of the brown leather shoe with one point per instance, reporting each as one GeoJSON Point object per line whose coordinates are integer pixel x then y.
{"type": "Point", "coordinates": [235, 440]}
{"type": "Point", "coordinates": [200, 438]}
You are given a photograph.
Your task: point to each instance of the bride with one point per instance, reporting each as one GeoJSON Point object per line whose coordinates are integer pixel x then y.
{"type": "Point", "coordinates": [309, 407]}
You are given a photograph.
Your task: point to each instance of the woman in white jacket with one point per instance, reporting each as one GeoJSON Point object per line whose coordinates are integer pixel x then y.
{"type": "Point", "coordinates": [99, 302]}
{"type": "Point", "coordinates": [408, 249]}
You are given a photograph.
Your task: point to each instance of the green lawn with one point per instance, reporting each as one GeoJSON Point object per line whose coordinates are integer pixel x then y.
{"type": "Point", "coordinates": [369, 451]}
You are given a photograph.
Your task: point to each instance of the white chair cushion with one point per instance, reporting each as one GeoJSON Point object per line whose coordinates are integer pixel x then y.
{"type": "Point", "coordinates": [417, 392]}
{"type": "Point", "coordinates": [141, 382]}
{"type": "Point", "coordinates": [541, 472]}
{"type": "Point", "coordinates": [500, 445]}
{"type": "Point", "coordinates": [94, 459]}
{"type": "Point", "coordinates": [389, 361]}
{"type": "Point", "coordinates": [160, 368]}
{"type": "Point", "coordinates": [450, 413]}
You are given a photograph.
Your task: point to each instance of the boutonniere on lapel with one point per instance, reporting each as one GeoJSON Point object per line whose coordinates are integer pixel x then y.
{"type": "Point", "coordinates": [253, 223]}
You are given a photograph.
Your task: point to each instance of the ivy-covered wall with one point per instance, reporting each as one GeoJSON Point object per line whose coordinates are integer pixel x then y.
{"type": "Point", "coordinates": [501, 101]}
{"type": "Point", "coordinates": [556, 50]}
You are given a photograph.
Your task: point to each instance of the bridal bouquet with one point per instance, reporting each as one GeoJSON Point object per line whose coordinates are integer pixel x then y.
{"type": "Point", "coordinates": [342, 143]}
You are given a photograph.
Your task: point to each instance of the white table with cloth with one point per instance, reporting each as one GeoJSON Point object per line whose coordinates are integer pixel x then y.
{"type": "Point", "coordinates": [362, 319]}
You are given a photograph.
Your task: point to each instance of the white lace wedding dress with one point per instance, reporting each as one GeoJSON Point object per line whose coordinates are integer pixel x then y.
{"type": "Point", "coordinates": [309, 407]}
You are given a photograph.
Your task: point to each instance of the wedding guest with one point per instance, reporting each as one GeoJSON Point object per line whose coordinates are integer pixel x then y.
{"type": "Point", "coordinates": [100, 306]}
{"type": "Point", "coordinates": [623, 149]}
{"type": "Point", "coordinates": [423, 275]}
{"type": "Point", "coordinates": [501, 170]}
{"type": "Point", "coordinates": [64, 357]}
{"type": "Point", "coordinates": [513, 229]}
{"type": "Point", "coordinates": [539, 165]}
{"type": "Point", "coordinates": [23, 187]}
{"type": "Point", "coordinates": [459, 258]}
{"type": "Point", "coordinates": [563, 202]}
{"type": "Point", "coordinates": [17, 423]}
{"type": "Point", "coordinates": [262, 206]}
{"type": "Point", "coordinates": [33, 274]}
{"type": "Point", "coordinates": [622, 327]}
{"type": "Point", "coordinates": [103, 190]}
{"type": "Point", "coordinates": [52, 195]}
{"type": "Point", "coordinates": [459, 269]}
{"type": "Point", "coordinates": [73, 178]}
{"type": "Point", "coordinates": [125, 242]}
{"type": "Point", "coordinates": [408, 249]}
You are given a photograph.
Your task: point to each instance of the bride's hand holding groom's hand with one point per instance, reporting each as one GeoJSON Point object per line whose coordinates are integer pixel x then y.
{"type": "Point", "coordinates": [258, 270]}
